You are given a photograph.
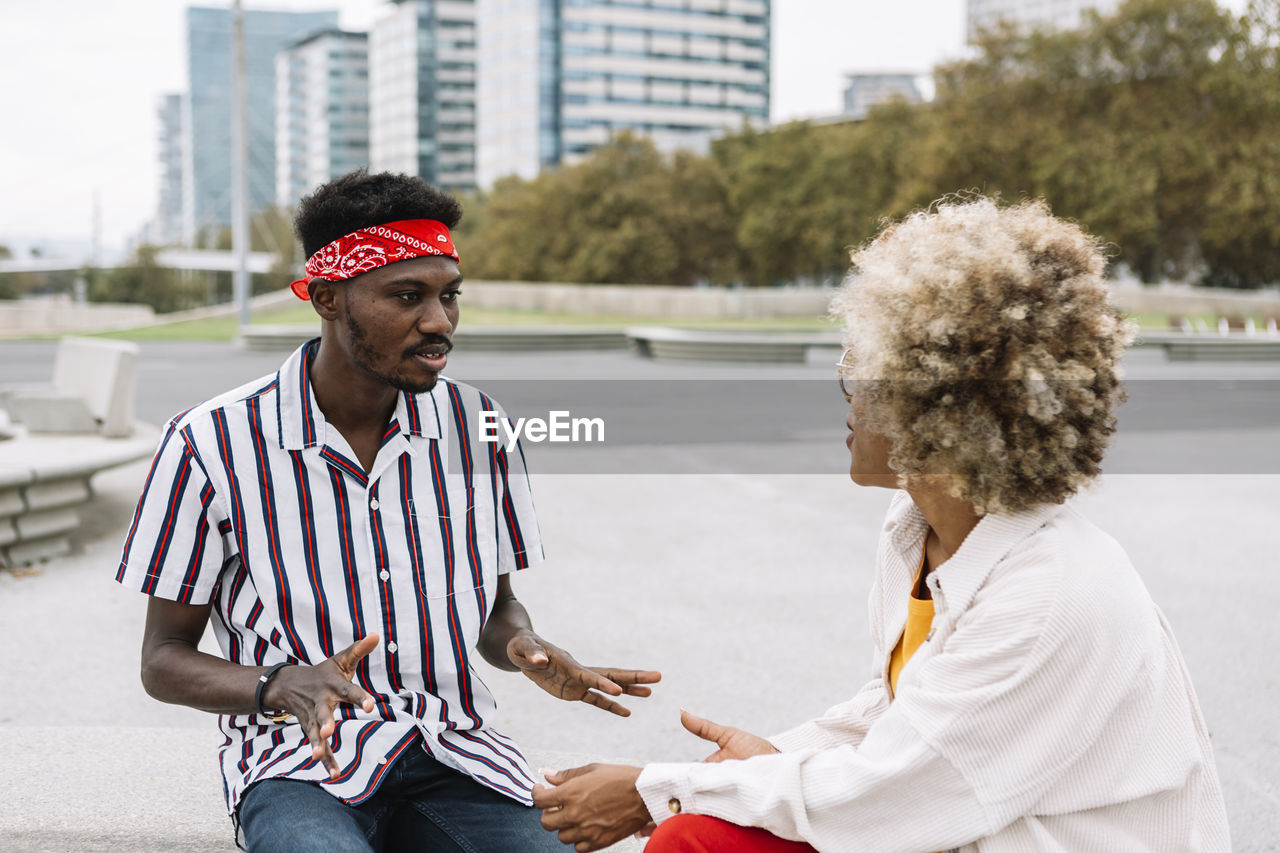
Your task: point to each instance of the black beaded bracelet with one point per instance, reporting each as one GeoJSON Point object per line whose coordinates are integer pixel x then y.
{"type": "Point", "coordinates": [274, 716]}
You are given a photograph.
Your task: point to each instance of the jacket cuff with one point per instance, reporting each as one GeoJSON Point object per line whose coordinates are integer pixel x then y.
{"type": "Point", "coordinates": [666, 790]}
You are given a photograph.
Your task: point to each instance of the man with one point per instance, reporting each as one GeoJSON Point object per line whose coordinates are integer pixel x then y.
{"type": "Point", "coordinates": [352, 544]}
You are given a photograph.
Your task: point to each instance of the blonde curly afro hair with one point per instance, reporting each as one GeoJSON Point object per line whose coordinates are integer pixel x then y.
{"type": "Point", "coordinates": [986, 350]}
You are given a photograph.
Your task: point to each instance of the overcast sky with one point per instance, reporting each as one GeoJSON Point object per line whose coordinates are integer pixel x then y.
{"type": "Point", "coordinates": [81, 78]}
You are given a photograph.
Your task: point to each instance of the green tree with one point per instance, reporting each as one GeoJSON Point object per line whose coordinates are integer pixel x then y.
{"type": "Point", "coordinates": [271, 230]}
{"type": "Point", "coordinates": [774, 182]}
{"type": "Point", "coordinates": [625, 214]}
{"type": "Point", "coordinates": [1240, 238]}
{"type": "Point", "coordinates": [1154, 127]}
{"type": "Point", "coordinates": [17, 284]}
{"type": "Point", "coordinates": [803, 194]}
{"type": "Point", "coordinates": [7, 290]}
{"type": "Point", "coordinates": [512, 238]}
{"type": "Point", "coordinates": [1157, 128]}
{"type": "Point", "coordinates": [144, 281]}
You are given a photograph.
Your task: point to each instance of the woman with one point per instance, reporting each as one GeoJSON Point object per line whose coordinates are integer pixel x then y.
{"type": "Point", "coordinates": [1028, 694]}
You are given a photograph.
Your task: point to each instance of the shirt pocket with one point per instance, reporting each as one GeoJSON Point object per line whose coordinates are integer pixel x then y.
{"type": "Point", "coordinates": [456, 541]}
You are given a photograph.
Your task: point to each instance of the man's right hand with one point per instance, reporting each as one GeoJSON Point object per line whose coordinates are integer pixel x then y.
{"type": "Point", "coordinates": [313, 693]}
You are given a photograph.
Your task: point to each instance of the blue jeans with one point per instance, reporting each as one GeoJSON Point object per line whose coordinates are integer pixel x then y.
{"type": "Point", "coordinates": [421, 805]}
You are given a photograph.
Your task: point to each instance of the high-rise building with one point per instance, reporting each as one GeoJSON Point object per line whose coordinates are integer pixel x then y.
{"type": "Point", "coordinates": [1053, 14]}
{"type": "Point", "coordinates": [207, 172]}
{"type": "Point", "coordinates": [422, 92]}
{"type": "Point", "coordinates": [166, 227]}
{"type": "Point", "coordinates": [322, 111]}
{"type": "Point", "coordinates": [864, 91]}
{"type": "Point", "coordinates": [557, 78]}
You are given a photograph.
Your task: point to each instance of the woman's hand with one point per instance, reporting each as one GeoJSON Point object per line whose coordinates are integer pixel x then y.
{"type": "Point", "coordinates": [733, 743]}
{"type": "Point", "coordinates": [555, 671]}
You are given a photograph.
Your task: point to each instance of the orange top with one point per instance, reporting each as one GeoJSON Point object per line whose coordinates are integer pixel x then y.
{"type": "Point", "coordinates": [919, 621]}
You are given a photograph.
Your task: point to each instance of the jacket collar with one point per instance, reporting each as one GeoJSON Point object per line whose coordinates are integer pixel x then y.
{"type": "Point", "coordinates": [960, 577]}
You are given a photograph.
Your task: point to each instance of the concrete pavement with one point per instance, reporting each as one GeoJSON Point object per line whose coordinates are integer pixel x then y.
{"type": "Point", "coordinates": [746, 590]}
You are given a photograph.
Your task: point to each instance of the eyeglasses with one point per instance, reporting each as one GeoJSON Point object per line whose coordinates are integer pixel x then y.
{"type": "Point", "coordinates": [841, 365]}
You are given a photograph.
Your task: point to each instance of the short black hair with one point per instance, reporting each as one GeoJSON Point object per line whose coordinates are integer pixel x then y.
{"type": "Point", "coordinates": [360, 200]}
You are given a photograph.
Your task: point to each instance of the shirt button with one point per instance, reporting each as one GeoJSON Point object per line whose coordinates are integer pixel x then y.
{"type": "Point", "coordinates": [392, 647]}
{"type": "Point", "coordinates": [382, 760]}
{"type": "Point", "coordinates": [384, 574]}
{"type": "Point", "coordinates": [373, 504]}
{"type": "Point", "coordinates": [674, 805]}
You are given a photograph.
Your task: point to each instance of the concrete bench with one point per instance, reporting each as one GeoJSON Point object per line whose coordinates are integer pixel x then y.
{"type": "Point", "coordinates": [56, 437]}
{"type": "Point", "coordinates": [131, 790]}
{"type": "Point", "coordinates": [91, 392]}
{"type": "Point", "coordinates": [1238, 348]}
{"type": "Point", "coordinates": [43, 478]}
{"type": "Point", "coordinates": [799, 347]}
{"type": "Point", "coordinates": [1183, 346]}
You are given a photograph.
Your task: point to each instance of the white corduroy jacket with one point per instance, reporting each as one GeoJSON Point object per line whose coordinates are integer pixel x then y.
{"type": "Point", "coordinates": [1050, 709]}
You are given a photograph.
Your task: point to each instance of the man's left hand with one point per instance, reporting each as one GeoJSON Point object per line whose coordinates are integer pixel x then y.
{"type": "Point", "coordinates": [592, 807]}
{"type": "Point", "coordinates": [555, 671]}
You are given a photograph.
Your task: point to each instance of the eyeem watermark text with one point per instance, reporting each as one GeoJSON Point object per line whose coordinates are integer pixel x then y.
{"type": "Point", "coordinates": [559, 426]}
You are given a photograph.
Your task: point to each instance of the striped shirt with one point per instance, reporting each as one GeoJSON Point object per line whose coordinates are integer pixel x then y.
{"type": "Point", "coordinates": [256, 504]}
{"type": "Point", "coordinates": [1049, 709]}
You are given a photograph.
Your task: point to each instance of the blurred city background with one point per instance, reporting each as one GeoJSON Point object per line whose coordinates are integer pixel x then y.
{"type": "Point", "coordinates": [695, 143]}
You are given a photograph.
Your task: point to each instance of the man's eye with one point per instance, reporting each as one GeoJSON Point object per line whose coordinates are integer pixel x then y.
{"type": "Point", "coordinates": [451, 295]}
{"type": "Point", "coordinates": [409, 296]}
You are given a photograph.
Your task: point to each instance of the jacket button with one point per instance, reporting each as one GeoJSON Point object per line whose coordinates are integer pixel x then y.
{"type": "Point", "coordinates": [674, 805]}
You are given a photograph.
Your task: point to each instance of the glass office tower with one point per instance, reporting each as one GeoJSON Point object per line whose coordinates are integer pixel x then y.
{"type": "Point", "coordinates": [166, 228]}
{"type": "Point", "coordinates": [1055, 14]}
{"type": "Point", "coordinates": [864, 91]}
{"type": "Point", "coordinates": [207, 172]}
{"type": "Point", "coordinates": [557, 78]}
{"type": "Point", "coordinates": [322, 111]}
{"type": "Point", "coordinates": [422, 92]}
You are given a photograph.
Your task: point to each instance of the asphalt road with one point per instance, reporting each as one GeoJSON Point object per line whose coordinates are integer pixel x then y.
{"type": "Point", "coordinates": [1208, 418]}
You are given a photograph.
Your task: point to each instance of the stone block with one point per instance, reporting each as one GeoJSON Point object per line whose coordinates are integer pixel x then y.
{"type": "Point", "coordinates": [49, 522]}
{"type": "Point", "coordinates": [11, 502]}
{"type": "Point", "coordinates": [12, 474]}
{"type": "Point", "coordinates": [694, 345]}
{"type": "Point", "coordinates": [33, 551]}
{"type": "Point", "coordinates": [56, 493]}
{"type": "Point", "coordinates": [8, 533]}
{"type": "Point", "coordinates": [50, 411]}
{"type": "Point", "coordinates": [16, 389]}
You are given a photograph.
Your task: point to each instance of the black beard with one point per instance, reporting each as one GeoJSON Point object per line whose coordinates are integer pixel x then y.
{"type": "Point", "coordinates": [362, 354]}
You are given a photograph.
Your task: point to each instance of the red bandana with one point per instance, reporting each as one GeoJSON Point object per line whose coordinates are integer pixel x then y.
{"type": "Point", "coordinates": [369, 248]}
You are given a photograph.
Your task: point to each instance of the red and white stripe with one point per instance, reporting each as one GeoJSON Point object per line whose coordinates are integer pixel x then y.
{"type": "Point", "coordinates": [255, 502]}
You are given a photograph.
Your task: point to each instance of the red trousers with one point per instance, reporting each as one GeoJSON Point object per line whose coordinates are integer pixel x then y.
{"type": "Point", "coordinates": [691, 833]}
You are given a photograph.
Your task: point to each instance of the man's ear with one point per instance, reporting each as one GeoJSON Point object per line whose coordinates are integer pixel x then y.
{"type": "Point", "coordinates": [324, 297]}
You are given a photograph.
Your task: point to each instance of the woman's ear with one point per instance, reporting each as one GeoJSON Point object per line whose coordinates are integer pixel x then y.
{"type": "Point", "coordinates": [324, 297]}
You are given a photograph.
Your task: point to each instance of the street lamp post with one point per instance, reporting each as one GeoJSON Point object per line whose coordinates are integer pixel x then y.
{"type": "Point", "coordinates": [239, 172]}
